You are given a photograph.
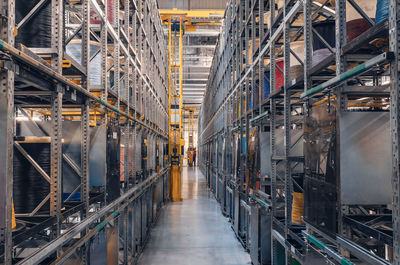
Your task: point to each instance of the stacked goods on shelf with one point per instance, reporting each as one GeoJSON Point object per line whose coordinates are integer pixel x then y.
{"type": "Point", "coordinates": [74, 49]}
{"type": "Point", "coordinates": [30, 188]}
{"type": "Point", "coordinates": [296, 68]}
{"type": "Point", "coordinates": [382, 10]}
{"type": "Point", "coordinates": [320, 180]}
{"type": "Point", "coordinates": [350, 176]}
{"type": "Point", "coordinates": [326, 29]}
{"type": "Point", "coordinates": [356, 24]}
{"type": "Point", "coordinates": [279, 77]}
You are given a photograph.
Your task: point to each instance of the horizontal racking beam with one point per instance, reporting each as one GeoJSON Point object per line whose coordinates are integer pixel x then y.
{"type": "Point", "coordinates": [359, 69]}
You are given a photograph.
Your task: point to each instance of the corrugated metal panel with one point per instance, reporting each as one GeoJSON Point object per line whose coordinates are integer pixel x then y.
{"type": "Point", "coordinates": [192, 4]}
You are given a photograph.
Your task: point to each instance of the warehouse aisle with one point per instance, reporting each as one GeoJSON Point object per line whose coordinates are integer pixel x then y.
{"type": "Point", "coordinates": [193, 231]}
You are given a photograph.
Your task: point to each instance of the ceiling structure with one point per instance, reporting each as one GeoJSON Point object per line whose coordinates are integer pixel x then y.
{"type": "Point", "coordinates": [192, 4]}
{"type": "Point", "coordinates": [202, 28]}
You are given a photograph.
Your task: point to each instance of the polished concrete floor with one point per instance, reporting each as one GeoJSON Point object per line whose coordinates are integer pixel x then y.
{"type": "Point", "coordinates": [193, 232]}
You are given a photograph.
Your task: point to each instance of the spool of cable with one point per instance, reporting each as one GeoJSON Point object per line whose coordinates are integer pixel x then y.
{"type": "Point", "coordinates": [279, 75]}
{"type": "Point", "coordinates": [356, 24]}
{"type": "Point", "coordinates": [319, 56]}
{"type": "Point", "coordinates": [74, 49]}
{"type": "Point", "coordinates": [35, 33]}
{"type": "Point", "coordinates": [326, 29]}
{"type": "Point", "coordinates": [297, 208]}
{"type": "Point", "coordinates": [382, 10]}
{"type": "Point", "coordinates": [29, 186]}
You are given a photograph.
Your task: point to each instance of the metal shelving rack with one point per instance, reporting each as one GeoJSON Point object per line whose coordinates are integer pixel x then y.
{"type": "Point", "coordinates": [234, 106]}
{"type": "Point", "coordinates": [135, 106]}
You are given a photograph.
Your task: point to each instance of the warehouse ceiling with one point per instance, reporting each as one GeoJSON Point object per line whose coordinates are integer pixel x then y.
{"type": "Point", "coordinates": [198, 45]}
{"type": "Point", "coordinates": [192, 4]}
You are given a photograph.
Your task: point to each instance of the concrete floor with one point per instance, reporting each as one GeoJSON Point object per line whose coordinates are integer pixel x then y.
{"type": "Point", "coordinates": [193, 231]}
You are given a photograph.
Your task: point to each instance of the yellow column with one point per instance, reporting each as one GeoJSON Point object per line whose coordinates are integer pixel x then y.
{"type": "Point", "coordinates": [175, 178]}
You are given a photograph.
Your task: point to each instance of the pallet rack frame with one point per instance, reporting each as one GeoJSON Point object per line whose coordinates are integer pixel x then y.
{"type": "Point", "coordinates": [234, 75]}
{"type": "Point", "coordinates": [139, 39]}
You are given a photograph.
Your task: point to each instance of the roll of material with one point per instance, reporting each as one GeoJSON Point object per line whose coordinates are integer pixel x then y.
{"type": "Point", "coordinates": [320, 55]}
{"type": "Point", "coordinates": [356, 27]}
{"type": "Point", "coordinates": [356, 24]}
{"type": "Point", "coordinates": [298, 48]}
{"type": "Point", "coordinates": [36, 33]}
{"type": "Point", "coordinates": [382, 10]}
{"type": "Point", "coordinates": [29, 186]}
{"type": "Point", "coordinates": [94, 19]}
{"type": "Point", "coordinates": [279, 3]}
{"type": "Point", "coordinates": [279, 75]}
{"type": "Point", "coordinates": [326, 29]}
{"type": "Point", "coordinates": [296, 71]}
{"type": "Point", "coordinates": [267, 86]}
{"type": "Point", "coordinates": [297, 208]}
{"type": "Point", "coordinates": [279, 79]}
{"type": "Point", "coordinates": [74, 49]}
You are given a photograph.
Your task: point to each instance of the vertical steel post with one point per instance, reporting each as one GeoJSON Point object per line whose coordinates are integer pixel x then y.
{"type": "Point", "coordinates": [287, 127]}
{"type": "Point", "coordinates": [394, 39]}
{"type": "Point", "coordinates": [307, 9]}
{"type": "Point", "coordinates": [7, 22]}
{"type": "Point", "coordinates": [340, 68]}
{"type": "Point", "coordinates": [85, 107]}
{"type": "Point", "coordinates": [56, 156]}
{"type": "Point", "coordinates": [56, 116]}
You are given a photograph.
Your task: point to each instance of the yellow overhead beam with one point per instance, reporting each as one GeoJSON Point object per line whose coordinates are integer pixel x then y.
{"type": "Point", "coordinates": [193, 13]}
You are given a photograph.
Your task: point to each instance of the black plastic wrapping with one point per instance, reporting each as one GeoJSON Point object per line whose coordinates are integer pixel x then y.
{"type": "Point", "coordinates": [254, 160]}
{"type": "Point", "coordinates": [326, 29]}
{"type": "Point", "coordinates": [36, 33]}
{"type": "Point", "coordinates": [320, 182]}
{"type": "Point", "coordinates": [113, 162]}
{"type": "Point", "coordinates": [29, 187]}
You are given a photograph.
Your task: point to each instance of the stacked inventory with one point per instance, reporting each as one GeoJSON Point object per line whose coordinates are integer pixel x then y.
{"type": "Point", "coordinates": [302, 98]}
{"type": "Point", "coordinates": [82, 167]}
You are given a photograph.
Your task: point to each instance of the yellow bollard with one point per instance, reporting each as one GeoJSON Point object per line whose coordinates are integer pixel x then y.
{"type": "Point", "coordinates": [176, 183]}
